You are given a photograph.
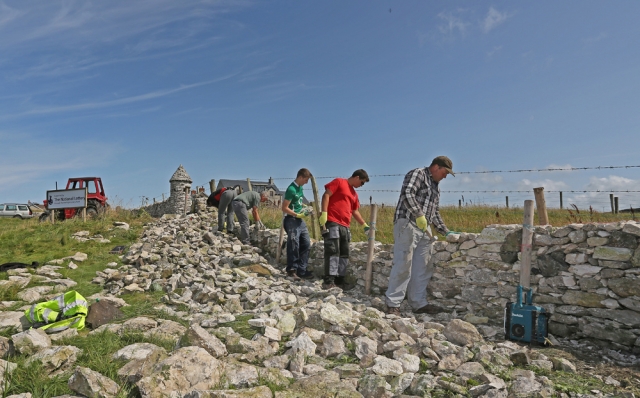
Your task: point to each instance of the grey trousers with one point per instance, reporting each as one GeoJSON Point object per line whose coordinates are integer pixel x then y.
{"type": "Point", "coordinates": [243, 218]}
{"type": "Point", "coordinates": [412, 269]}
{"type": "Point", "coordinates": [225, 210]}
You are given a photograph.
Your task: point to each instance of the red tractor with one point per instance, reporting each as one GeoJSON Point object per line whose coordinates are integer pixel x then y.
{"type": "Point", "coordinates": [96, 199]}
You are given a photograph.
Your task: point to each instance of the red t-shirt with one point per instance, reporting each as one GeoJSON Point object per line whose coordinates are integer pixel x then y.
{"type": "Point", "coordinates": [342, 202]}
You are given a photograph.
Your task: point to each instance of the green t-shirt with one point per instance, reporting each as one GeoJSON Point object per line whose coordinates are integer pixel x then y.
{"type": "Point", "coordinates": [295, 195]}
{"type": "Point", "coordinates": [249, 198]}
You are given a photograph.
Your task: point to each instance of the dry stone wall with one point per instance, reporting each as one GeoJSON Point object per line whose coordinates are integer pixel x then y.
{"type": "Point", "coordinates": [586, 275]}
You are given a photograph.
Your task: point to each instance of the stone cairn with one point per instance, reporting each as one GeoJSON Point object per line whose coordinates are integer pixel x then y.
{"type": "Point", "coordinates": [179, 200]}
{"type": "Point", "coordinates": [306, 342]}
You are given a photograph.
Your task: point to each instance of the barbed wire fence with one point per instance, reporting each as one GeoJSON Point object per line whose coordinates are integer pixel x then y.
{"type": "Point", "coordinates": [600, 200]}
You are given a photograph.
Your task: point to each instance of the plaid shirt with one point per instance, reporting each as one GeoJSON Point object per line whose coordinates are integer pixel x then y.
{"type": "Point", "coordinates": [420, 196]}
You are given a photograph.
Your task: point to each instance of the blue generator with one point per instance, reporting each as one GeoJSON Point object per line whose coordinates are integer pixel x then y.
{"type": "Point", "coordinates": [526, 323]}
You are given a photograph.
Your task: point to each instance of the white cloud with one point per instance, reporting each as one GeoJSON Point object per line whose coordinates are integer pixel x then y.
{"type": "Point", "coordinates": [595, 39]}
{"type": "Point", "coordinates": [560, 166]}
{"type": "Point", "coordinates": [613, 183]}
{"type": "Point", "coordinates": [548, 184]}
{"type": "Point", "coordinates": [8, 14]}
{"type": "Point", "coordinates": [111, 103]}
{"type": "Point", "coordinates": [452, 24]}
{"type": "Point", "coordinates": [493, 19]}
{"type": "Point", "coordinates": [494, 51]}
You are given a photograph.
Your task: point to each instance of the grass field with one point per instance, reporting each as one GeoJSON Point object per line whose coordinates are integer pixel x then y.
{"type": "Point", "coordinates": [461, 219]}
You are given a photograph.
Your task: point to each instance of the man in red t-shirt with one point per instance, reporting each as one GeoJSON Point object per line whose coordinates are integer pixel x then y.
{"type": "Point", "coordinates": [339, 203]}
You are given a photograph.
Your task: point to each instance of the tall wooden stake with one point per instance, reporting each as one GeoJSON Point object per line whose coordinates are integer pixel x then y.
{"type": "Point", "coordinates": [212, 185]}
{"type": "Point", "coordinates": [613, 209]}
{"type": "Point", "coordinates": [313, 226]}
{"type": "Point", "coordinates": [280, 240]}
{"type": "Point", "coordinates": [507, 198]}
{"type": "Point", "coordinates": [372, 240]}
{"type": "Point", "coordinates": [541, 204]}
{"type": "Point", "coordinates": [527, 240]}
{"type": "Point", "coordinates": [560, 200]}
{"type": "Point", "coordinates": [249, 184]}
{"type": "Point", "coordinates": [316, 204]}
{"type": "Point", "coordinates": [615, 202]}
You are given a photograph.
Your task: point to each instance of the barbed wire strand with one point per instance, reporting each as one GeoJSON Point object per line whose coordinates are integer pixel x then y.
{"type": "Point", "coordinates": [488, 171]}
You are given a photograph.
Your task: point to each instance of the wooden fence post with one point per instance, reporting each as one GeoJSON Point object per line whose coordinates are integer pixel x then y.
{"type": "Point", "coordinates": [527, 239]}
{"type": "Point", "coordinates": [560, 200]}
{"type": "Point", "coordinates": [280, 240]}
{"type": "Point", "coordinates": [460, 203]}
{"type": "Point", "coordinates": [212, 185]}
{"type": "Point", "coordinates": [613, 209]}
{"type": "Point", "coordinates": [249, 184]}
{"type": "Point", "coordinates": [372, 240]}
{"type": "Point", "coordinates": [541, 204]}
{"type": "Point", "coordinates": [615, 201]}
{"type": "Point", "coordinates": [313, 226]}
{"type": "Point", "coordinates": [507, 198]}
{"type": "Point", "coordinates": [316, 204]}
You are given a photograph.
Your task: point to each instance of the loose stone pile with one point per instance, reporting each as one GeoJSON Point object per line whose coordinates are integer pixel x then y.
{"type": "Point", "coordinates": [305, 342]}
{"type": "Point", "coordinates": [586, 275]}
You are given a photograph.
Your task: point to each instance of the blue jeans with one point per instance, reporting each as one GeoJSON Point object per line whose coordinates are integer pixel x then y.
{"type": "Point", "coordinates": [298, 244]}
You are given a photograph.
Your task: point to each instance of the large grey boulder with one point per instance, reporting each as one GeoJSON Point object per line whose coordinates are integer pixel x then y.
{"type": "Point", "coordinates": [137, 351]}
{"type": "Point", "coordinates": [461, 332]}
{"type": "Point", "coordinates": [13, 320]}
{"type": "Point", "coordinates": [325, 384]}
{"type": "Point", "coordinates": [31, 341]}
{"type": "Point", "coordinates": [89, 383]}
{"type": "Point", "coordinates": [199, 337]}
{"type": "Point", "coordinates": [56, 360]}
{"type": "Point", "coordinates": [239, 375]}
{"type": "Point", "coordinates": [302, 344]}
{"type": "Point", "coordinates": [253, 392]}
{"type": "Point", "coordinates": [187, 369]}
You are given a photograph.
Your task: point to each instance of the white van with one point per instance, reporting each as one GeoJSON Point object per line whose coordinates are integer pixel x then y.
{"type": "Point", "coordinates": [15, 210]}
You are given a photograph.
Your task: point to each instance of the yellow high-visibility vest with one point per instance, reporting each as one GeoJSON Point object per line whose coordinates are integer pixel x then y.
{"type": "Point", "coordinates": [66, 311]}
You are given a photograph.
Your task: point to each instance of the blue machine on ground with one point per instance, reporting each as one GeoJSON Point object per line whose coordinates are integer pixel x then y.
{"type": "Point", "coordinates": [526, 323]}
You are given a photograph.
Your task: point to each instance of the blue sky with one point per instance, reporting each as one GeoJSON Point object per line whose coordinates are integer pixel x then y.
{"type": "Point", "coordinates": [129, 90]}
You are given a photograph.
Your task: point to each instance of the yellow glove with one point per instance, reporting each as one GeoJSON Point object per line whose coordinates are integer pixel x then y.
{"type": "Point", "coordinates": [299, 215]}
{"type": "Point", "coordinates": [421, 222]}
{"type": "Point", "coordinates": [366, 228]}
{"type": "Point", "coordinates": [323, 218]}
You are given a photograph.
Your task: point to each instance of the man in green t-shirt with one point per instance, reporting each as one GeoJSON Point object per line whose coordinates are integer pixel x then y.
{"type": "Point", "coordinates": [298, 241]}
{"type": "Point", "coordinates": [244, 202]}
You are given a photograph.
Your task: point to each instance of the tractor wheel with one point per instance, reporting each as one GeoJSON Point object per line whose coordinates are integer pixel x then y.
{"type": "Point", "coordinates": [44, 217]}
{"type": "Point", "coordinates": [92, 213]}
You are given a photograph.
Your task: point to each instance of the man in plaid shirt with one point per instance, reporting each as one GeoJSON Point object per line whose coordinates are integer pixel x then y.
{"type": "Point", "coordinates": [417, 207]}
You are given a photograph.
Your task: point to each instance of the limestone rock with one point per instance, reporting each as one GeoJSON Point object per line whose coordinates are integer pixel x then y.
{"type": "Point", "coordinates": [187, 369]}
{"type": "Point", "coordinates": [89, 383]}
{"type": "Point", "coordinates": [201, 338]}
{"type": "Point", "coordinates": [31, 341]}
{"type": "Point", "coordinates": [461, 332]}
{"type": "Point", "coordinates": [387, 367]}
{"type": "Point", "coordinates": [56, 360]}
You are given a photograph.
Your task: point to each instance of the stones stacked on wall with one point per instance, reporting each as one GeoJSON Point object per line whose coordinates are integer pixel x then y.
{"type": "Point", "coordinates": [586, 275]}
